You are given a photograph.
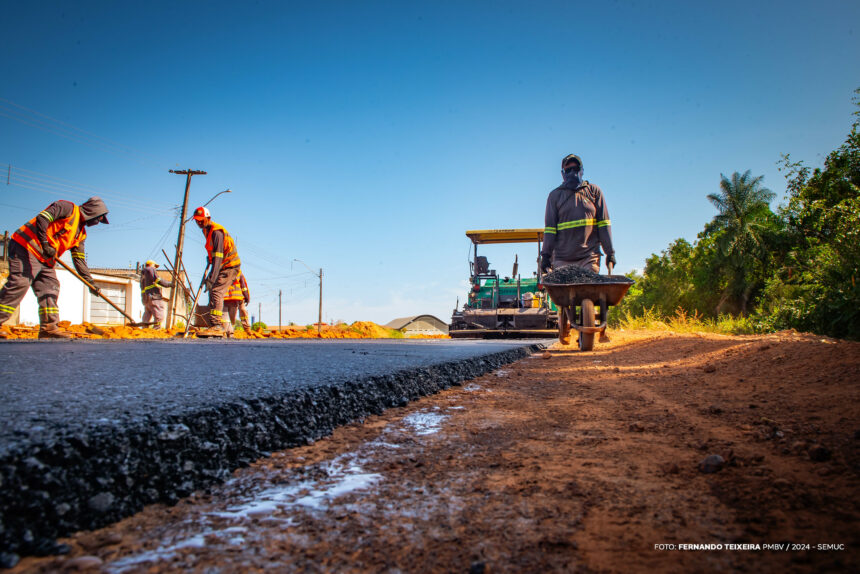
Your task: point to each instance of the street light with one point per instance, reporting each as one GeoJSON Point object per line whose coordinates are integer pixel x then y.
{"type": "Point", "coordinates": [210, 201]}
{"type": "Point", "coordinates": [320, 276]}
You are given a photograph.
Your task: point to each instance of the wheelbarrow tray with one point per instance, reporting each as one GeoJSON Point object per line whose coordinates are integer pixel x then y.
{"type": "Point", "coordinates": [572, 294]}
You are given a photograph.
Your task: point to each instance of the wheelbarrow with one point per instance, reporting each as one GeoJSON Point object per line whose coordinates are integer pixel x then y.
{"type": "Point", "coordinates": [568, 296]}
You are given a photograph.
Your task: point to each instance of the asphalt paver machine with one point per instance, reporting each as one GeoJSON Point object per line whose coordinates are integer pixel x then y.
{"type": "Point", "coordinates": [504, 306]}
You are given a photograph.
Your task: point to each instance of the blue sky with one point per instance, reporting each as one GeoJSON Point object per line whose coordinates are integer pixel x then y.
{"type": "Point", "coordinates": [364, 138]}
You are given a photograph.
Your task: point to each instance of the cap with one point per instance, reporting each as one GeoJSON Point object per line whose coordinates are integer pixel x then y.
{"type": "Point", "coordinates": [151, 262]}
{"type": "Point", "coordinates": [201, 213]}
{"type": "Point", "coordinates": [571, 157]}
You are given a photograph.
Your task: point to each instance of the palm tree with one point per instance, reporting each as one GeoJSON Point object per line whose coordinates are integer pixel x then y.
{"type": "Point", "coordinates": [744, 210]}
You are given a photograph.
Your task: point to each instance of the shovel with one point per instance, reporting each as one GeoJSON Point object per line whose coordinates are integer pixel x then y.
{"type": "Point", "coordinates": [194, 305]}
{"type": "Point", "coordinates": [131, 322]}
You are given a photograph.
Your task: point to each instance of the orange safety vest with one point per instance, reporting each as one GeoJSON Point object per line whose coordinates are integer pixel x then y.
{"type": "Point", "coordinates": [63, 234]}
{"type": "Point", "coordinates": [230, 255]}
{"type": "Point", "coordinates": [235, 291]}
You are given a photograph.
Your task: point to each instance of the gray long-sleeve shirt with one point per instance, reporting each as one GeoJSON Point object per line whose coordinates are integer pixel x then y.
{"type": "Point", "coordinates": [577, 224]}
{"type": "Point", "coordinates": [151, 284]}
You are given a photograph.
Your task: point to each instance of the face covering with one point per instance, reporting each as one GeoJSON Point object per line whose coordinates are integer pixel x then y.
{"type": "Point", "coordinates": [572, 179]}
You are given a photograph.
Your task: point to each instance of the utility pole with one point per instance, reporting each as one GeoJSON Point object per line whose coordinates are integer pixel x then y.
{"type": "Point", "coordinates": [171, 310]}
{"type": "Point", "coordinates": [279, 310]}
{"type": "Point", "coordinates": [319, 320]}
{"type": "Point", "coordinates": [319, 316]}
{"type": "Point", "coordinates": [260, 312]}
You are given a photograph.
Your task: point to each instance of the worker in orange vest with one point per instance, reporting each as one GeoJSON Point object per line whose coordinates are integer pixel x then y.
{"type": "Point", "coordinates": [238, 296]}
{"type": "Point", "coordinates": [33, 251]}
{"type": "Point", "coordinates": [224, 261]}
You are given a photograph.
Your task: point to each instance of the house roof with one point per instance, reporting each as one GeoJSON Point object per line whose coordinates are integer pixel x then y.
{"type": "Point", "coordinates": [403, 322]}
{"type": "Point", "coordinates": [124, 272]}
{"type": "Point", "coordinates": [115, 271]}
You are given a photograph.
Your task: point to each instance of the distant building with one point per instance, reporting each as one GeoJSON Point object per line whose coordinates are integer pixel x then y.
{"type": "Point", "coordinates": [419, 325]}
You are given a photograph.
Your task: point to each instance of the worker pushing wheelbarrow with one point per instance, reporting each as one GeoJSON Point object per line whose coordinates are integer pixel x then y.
{"type": "Point", "coordinates": [577, 292]}
{"type": "Point", "coordinates": [577, 233]}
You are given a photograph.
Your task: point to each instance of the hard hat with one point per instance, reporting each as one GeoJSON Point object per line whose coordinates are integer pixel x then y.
{"type": "Point", "coordinates": [151, 262]}
{"type": "Point", "coordinates": [201, 213]}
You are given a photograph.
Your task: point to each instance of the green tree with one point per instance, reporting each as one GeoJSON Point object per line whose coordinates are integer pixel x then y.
{"type": "Point", "coordinates": [817, 286]}
{"type": "Point", "coordinates": [739, 228]}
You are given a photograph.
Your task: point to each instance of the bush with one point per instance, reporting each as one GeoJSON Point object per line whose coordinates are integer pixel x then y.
{"type": "Point", "coordinates": [259, 326]}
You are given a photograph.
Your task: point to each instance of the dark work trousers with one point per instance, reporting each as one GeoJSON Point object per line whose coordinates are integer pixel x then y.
{"type": "Point", "coordinates": [225, 279]}
{"type": "Point", "coordinates": [26, 271]}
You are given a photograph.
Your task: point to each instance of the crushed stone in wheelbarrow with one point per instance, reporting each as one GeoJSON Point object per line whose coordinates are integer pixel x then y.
{"type": "Point", "coordinates": [571, 274]}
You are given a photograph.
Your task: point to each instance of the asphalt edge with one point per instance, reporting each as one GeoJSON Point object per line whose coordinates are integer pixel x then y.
{"type": "Point", "coordinates": [83, 482]}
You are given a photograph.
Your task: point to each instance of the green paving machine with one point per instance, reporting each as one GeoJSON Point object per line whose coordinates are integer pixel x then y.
{"type": "Point", "coordinates": [504, 306]}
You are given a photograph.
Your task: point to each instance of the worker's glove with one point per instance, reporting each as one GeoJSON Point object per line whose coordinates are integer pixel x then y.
{"type": "Point", "coordinates": [611, 259]}
{"type": "Point", "coordinates": [48, 251]}
{"type": "Point", "coordinates": [208, 284]}
{"type": "Point", "coordinates": [95, 290]}
{"type": "Point", "coordinates": [247, 301]}
{"type": "Point", "coordinates": [545, 264]}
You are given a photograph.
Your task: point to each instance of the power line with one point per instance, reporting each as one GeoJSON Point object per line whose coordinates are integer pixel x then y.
{"type": "Point", "coordinates": [61, 194]}
{"type": "Point", "coordinates": [52, 125]}
{"type": "Point", "coordinates": [67, 186]}
{"type": "Point", "coordinates": [163, 239]}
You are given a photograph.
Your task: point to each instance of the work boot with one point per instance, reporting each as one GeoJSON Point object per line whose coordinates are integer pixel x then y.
{"type": "Point", "coordinates": [53, 332]}
{"type": "Point", "coordinates": [216, 331]}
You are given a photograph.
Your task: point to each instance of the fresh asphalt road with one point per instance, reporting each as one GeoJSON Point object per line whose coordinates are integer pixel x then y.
{"type": "Point", "coordinates": [48, 387]}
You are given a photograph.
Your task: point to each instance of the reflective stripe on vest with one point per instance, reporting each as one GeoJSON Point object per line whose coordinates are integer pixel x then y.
{"type": "Point", "coordinates": [63, 234]}
{"type": "Point", "coordinates": [235, 292]}
{"type": "Point", "coordinates": [230, 255]}
{"type": "Point", "coordinates": [579, 223]}
{"type": "Point", "coordinates": [576, 223]}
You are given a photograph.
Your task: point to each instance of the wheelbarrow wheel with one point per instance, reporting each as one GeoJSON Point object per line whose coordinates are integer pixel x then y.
{"type": "Point", "coordinates": [586, 340]}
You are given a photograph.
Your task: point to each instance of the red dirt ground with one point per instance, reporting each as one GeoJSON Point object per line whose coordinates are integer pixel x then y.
{"type": "Point", "coordinates": [561, 462]}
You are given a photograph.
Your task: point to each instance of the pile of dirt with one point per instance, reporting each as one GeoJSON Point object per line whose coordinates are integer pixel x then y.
{"type": "Point", "coordinates": [89, 331]}
{"type": "Point", "coordinates": [357, 330]}
{"type": "Point", "coordinates": [372, 330]}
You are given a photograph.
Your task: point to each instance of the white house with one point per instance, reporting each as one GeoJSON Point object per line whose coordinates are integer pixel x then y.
{"type": "Point", "coordinates": [78, 305]}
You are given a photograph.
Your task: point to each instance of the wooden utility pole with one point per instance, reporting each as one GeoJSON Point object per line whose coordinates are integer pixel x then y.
{"type": "Point", "coordinates": [260, 312]}
{"type": "Point", "coordinates": [171, 310]}
{"type": "Point", "coordinates": [319, 319]}
{"type": "Point", "coordinates": [279, 310]}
